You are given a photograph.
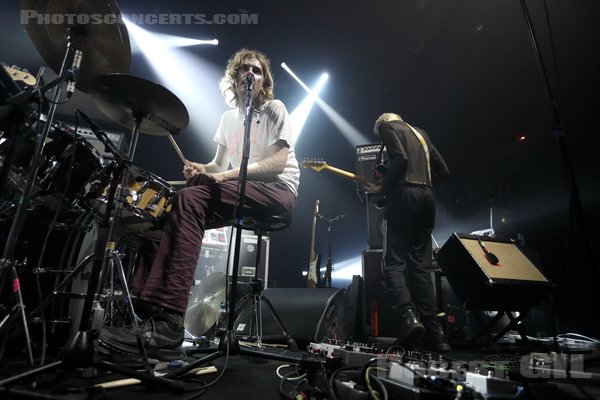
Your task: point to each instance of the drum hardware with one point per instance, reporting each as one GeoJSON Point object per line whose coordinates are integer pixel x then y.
{"type": "Point", "coordinates": [100, 43]}
{"type": "Point", "coordinates": [18, 100]}
{"type": "Point", "coordinates": [19, 308]}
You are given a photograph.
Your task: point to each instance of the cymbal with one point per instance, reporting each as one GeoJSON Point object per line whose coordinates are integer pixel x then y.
{"type": "Point", "coordinates": [105, 46]}
{"type": "Point", "coordinates": [205, 303]}
{"type": "Point", "coordinates": [123, 98]}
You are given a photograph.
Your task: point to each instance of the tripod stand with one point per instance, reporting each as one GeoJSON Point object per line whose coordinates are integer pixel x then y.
{"type": "Point", "coordinates": [255, 299]}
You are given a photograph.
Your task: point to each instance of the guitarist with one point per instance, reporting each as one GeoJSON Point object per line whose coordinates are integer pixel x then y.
{"type": "Point", "coordinates": [415, 166]}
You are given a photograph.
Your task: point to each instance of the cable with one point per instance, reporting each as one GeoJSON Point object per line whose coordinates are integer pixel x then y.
{"type": "Point", "coordinates": [368, 378]}
{"type": "Point", "coordinates": [299, 377]}
{"type": "Point", "coordinates": [212, 383]}
{"type": "Point", "coordinates": [332, 378]}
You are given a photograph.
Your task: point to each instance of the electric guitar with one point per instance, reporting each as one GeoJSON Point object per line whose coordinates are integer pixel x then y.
{"type": "Point", "coordinates": [319, 165]}
{"type": "Point", "coordinates": [20, 76]}
{"type": "Point", "coordinates": [314, 262]}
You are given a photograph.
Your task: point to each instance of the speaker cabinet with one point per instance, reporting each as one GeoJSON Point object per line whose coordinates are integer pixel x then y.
{"type": "Point", "coordinates": [375, 215]}
{"type": "Point", "coordinates": [366, 160]}
{"type": "Point", "coordinates": [514, 283]}
{"type": "Point", "coordinates": [308, 314]}
{"type": "Point", "coordinates": [379, 317]}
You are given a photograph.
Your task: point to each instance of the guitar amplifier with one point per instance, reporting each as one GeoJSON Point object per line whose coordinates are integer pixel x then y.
{"type": "Point", "coordinates": [366, 160]}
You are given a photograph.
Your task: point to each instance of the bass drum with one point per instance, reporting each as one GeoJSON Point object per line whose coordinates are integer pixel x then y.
{"type": "Point", "coordinates": [50, 254]}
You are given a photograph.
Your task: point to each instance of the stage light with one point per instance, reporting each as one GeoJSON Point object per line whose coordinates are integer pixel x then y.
{"type": "Point", "coordinates": [178, 41]}
{"type": "Point", "coordinates": [350, 132]}
{"type": "Point", "coordinates": [193, 80]}
{"type": "Point", "coordinates": [345, 270]}
{"type": "Point", "coordinates": [300, 113]}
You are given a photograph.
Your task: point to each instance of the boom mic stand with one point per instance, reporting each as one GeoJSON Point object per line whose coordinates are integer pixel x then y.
{"type": "Point", "coordinates": [560, 134]}
{"type": "Point", "coordinates": [7, 261]}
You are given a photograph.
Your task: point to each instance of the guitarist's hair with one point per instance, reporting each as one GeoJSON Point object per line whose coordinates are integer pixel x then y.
{"type": "Point", "coordinates": [385, 117]}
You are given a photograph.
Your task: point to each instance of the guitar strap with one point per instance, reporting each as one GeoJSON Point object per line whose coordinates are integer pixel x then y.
{"type": "Point", "coordinates": [425, 148]}
{"type": "Point", "coordinates": [380, 162]}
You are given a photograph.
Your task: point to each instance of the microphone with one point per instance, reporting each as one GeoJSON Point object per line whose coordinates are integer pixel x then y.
{"type": "Point", "coordinates": [250, 83]}
{"type": "Point", "coordinates": [89, 121]}
{"type": "Point", "coordinates": [491, 257]}
{"type": "Point", "coordinates": [74, 71]}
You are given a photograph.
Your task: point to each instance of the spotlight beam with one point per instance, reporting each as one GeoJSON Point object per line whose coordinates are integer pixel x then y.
{"type": "Point", "coordinates": [348, 130]}
{"type": "Point", "coordinates": [300, 113]}
{"type": "Point", "coordinates": [188, 76]}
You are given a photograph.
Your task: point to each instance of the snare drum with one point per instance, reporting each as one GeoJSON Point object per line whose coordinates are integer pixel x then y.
{"type": "Point", "coordinates": [68, 164]}
{"type": "Point", "coordinates": [147, 200]}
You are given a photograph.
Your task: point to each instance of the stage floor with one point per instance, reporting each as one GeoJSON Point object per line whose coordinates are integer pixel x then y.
{"type": "Point", "coordinates": [251, 376]}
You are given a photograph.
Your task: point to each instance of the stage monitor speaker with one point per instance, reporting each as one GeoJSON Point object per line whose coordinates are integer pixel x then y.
{"type": "Point", "coordinates": [513, 284]}
{"type": "Point", "coordinates": [355, 310]}
{"type": "Point", "coordinates": [308, 314]}
{"type": "Point", "coordinates": [379, 318]}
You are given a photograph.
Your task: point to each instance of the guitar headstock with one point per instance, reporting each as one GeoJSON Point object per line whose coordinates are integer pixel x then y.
{"type": "Point", "coordinates": [22, 76]}
{"type": "Point", "coordinates": [314, 163]}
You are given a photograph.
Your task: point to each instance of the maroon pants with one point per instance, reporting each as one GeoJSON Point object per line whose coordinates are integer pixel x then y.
{"type": "Point", "coordinates": [165, 273]}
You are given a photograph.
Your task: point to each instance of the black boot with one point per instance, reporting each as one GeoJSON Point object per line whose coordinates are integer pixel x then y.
{"type": "Point", "coordinates": [409, 328]}
{"type": "Point", "coordinates": [162, 333]}
{"type": "Point", "coordinates": [435, 338]}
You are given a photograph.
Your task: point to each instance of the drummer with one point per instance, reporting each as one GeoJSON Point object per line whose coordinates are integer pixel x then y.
{"type": "Point", "coordinates": [165, 275]}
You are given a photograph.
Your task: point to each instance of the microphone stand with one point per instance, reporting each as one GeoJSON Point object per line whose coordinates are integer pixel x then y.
{"type": "Point", "coordinates": [330, 223]}
{"type": "Point", "coordinates": [80, 350]}
{"type": "Point", "coordinates": [560, 134]}
{"type": "Point", "coordinates": [228, 343]}
{"type": "Point", "coordinates": [7, 261]}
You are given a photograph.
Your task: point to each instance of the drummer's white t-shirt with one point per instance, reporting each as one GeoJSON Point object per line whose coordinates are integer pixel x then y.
{"type": "Point", "coordinates": [272, 124]}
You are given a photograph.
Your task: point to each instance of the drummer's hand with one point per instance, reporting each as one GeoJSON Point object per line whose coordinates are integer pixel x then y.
{"type": "Point", "coordinates": [203, 178]}
{"type": "Point", "coordinates": [191, 168]}
{"type": "Point", "coordinates": [373, 187]}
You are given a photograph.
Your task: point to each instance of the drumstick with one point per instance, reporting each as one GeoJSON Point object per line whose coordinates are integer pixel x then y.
{"type": "Point", "coordinates": [178, 150]}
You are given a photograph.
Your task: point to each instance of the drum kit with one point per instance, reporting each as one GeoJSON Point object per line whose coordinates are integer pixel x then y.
{"type": "Point", "coordinates": [46, 164]}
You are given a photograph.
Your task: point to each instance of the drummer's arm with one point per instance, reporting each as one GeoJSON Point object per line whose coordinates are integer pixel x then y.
{"type": "Point", "coordinates": [266, 169]}
{"type": "Point", "coordinates": [218, 164]}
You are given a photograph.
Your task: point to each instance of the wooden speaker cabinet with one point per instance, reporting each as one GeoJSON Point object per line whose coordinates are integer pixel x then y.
{"type": "Point", "coordinates": [513, 283]}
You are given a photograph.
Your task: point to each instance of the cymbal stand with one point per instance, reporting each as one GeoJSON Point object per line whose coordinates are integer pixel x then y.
{"type": "Point", "coordinates": [80, 350]}
{"type": "Point", "coordinates": [7, 260]}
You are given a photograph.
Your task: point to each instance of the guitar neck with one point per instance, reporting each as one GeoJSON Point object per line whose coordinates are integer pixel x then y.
{"type": "Point", "coordinates": [313, 274]}
{"type": "Point", "coordinates": [348, 175]}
